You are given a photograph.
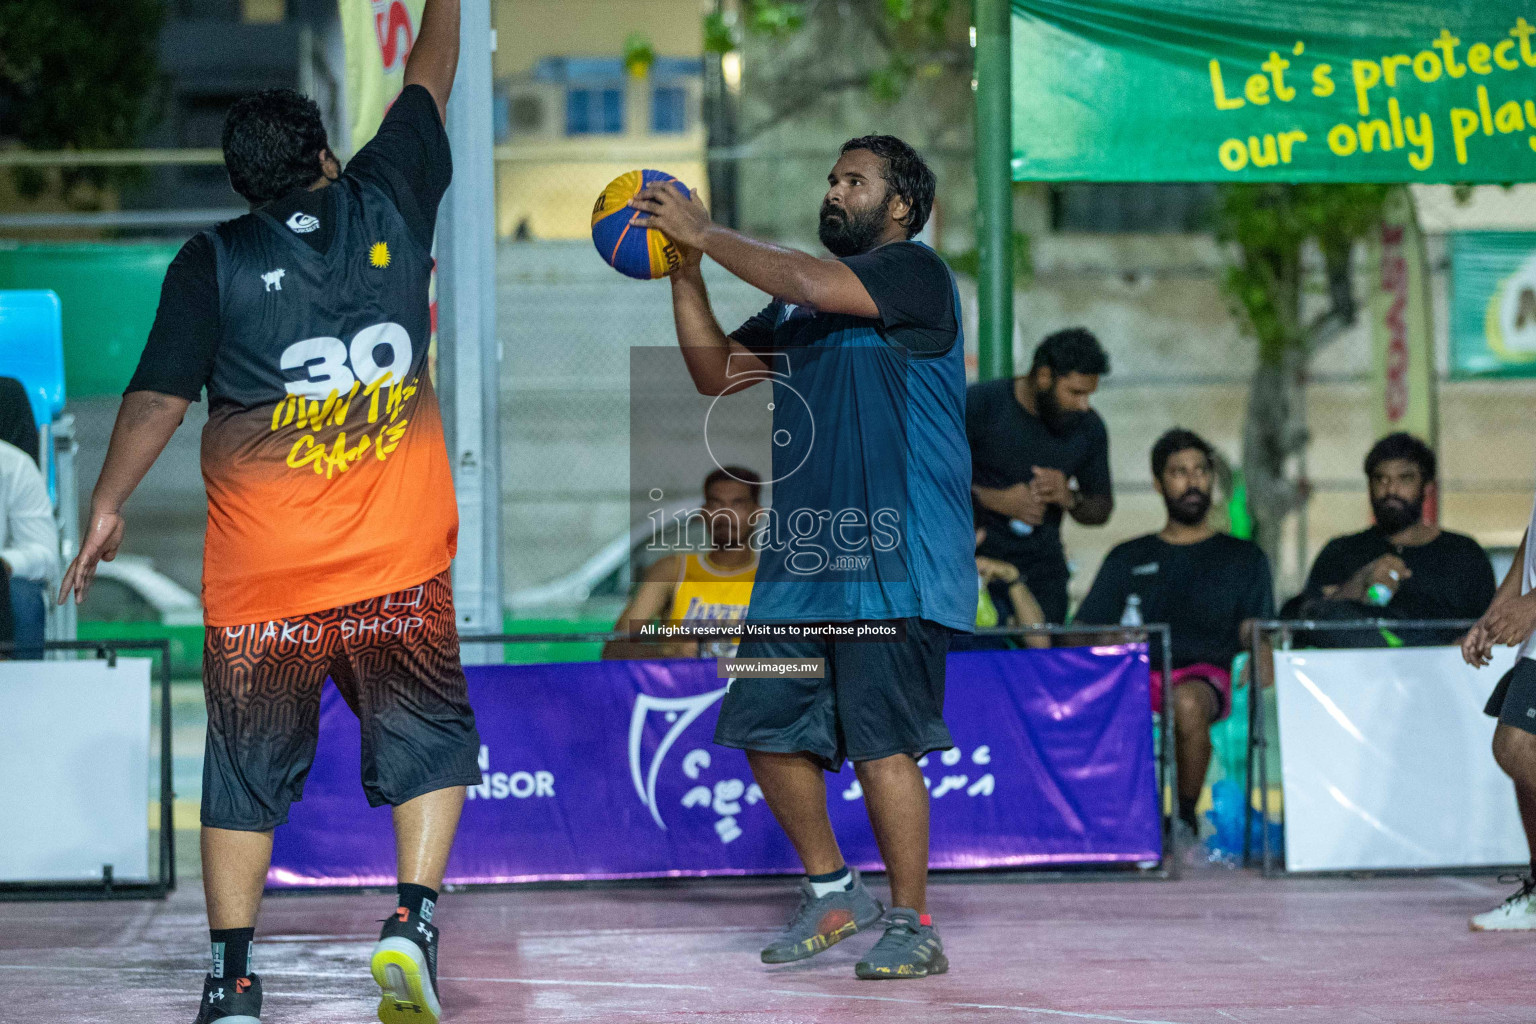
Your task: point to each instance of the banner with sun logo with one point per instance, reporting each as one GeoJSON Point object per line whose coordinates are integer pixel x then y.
{"type": "Point", "coordinates": [1493, 304]}
{"type": "Point", "coordinates": [378, 35]}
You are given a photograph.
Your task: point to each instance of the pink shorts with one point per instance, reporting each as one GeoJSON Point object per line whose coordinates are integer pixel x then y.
{"type": "Point", "coordinates": [1219, 678]}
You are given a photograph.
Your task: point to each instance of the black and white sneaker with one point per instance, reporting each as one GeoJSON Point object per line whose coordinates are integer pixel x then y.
{"type": "Point", "coordinates": [230, 1001]}
{"type": "Point", "coordinates": [405, 967]}
{"type": "Point", "coordinates": [1516, 914]}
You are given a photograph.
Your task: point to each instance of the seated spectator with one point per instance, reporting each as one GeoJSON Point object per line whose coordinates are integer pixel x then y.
{"type": "Point", "coordinates": [17, 425]}
{"type": "Point", "coordinates": [1022, 608]}
{"type": "Point", "coordinates": [1206, 586]}
{"type": "Point", "coordinates": [1401, 567]}
{"type": "Point", "coordinates": [7, 620]}
{"type": "Point", "coordinates": [713, 587]}
{"type": "Point", "coordinates": [29, 546]}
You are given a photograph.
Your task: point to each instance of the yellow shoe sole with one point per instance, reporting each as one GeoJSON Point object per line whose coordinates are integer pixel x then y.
{"type": "Point", "coordinates": [405, 986]}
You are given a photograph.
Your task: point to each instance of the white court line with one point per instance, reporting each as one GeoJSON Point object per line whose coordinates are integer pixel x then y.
{"type": "Point", "coordinates": [664, 987]}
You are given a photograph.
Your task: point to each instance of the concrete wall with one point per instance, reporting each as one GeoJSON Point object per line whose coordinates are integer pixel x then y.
{"type": "Point", "coordinates": [527, 30]}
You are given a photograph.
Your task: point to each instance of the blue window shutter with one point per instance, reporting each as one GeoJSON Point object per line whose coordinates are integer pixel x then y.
{"type": "Point", "coordinates": [669, 109]}
{"type": "Point", "coordinates": [613, 111]}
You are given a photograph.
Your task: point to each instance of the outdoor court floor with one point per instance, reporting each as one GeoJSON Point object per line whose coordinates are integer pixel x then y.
{"type": "Point", "coordinates": [1216, 947]}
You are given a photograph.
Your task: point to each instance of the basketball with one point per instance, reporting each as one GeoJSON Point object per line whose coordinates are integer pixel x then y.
{"type": "Point", "coordinates": [620, 234]}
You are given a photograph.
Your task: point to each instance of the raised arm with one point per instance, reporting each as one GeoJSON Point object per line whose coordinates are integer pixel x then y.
{"type": "Point", "coordinates": [435, 56]}
{"type": "Point", "coordinates": [713, 358]}
{"type": "Point", "coordinates": [825, 285]}
{"type": "Point", "coordinates": [145, 422]}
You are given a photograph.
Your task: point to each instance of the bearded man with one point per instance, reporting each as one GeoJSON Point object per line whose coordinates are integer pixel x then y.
{"type": "Point", "coordinates": [1038, 452]}
{"type": "Point", "coordinates": [1402, 567]}
{"type": "Point", "coordinates": [1206, 585]}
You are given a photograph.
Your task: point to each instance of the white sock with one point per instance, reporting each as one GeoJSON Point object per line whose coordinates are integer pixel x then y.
{"type": "Point", "coordinates": [842, 883]}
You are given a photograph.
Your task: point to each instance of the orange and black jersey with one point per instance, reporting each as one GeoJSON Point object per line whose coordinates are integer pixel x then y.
{"type": "Point", "coordinates": [323, 455]}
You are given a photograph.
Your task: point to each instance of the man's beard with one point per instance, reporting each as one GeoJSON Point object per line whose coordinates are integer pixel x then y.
{"type": "Point", "coordinates": [1189, 508]}
{"type": "Point", "coordinates": [848, 234]}
{"type": "Point", "coordinates": [1056, 419]}
{"type": "Point", "coordinates": [1394, 515]}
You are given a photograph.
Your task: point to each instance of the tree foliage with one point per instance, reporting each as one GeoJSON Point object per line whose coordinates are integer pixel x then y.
{"type": "Point", "coordinates": [1272, 226]}
{"type": "Point", "coordinates": [886, 48]}
{"type": "Point", "coordinates": [1272, 229]}
{"type": "Point", "coordinates": [77, 74]}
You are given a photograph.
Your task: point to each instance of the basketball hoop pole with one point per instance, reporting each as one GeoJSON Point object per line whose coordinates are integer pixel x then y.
{"type": "Point", "coordinates": [469, 350]}
{"type": "Point", "coordinates": [994, 186]}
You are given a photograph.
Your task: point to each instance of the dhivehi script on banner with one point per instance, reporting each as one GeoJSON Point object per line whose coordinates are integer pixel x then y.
{"type": "Point", "coordinates": [1259, 90]}
{"type": "Point", "coordinates": [609, 770]}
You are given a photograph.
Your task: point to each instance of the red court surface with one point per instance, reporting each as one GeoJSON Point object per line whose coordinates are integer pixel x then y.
{"type": "Point", "coordinates": [1216, 948]}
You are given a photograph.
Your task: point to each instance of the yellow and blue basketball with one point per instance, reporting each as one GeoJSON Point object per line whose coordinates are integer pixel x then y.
{"type": "Point", "coordinates": [621, 235]}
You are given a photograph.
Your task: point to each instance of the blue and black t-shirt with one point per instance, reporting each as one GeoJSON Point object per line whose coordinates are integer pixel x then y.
{"type": "Point", "coordinates": [871, 502]}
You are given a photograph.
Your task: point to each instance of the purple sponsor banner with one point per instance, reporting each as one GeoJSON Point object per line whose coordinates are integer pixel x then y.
{"type": "Point", "coordinates": [608, 770]}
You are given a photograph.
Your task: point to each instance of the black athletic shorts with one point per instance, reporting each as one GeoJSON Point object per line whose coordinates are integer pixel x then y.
{"type": "Point", "coordinates": [395, 660]}
{"type": "Point", "coordinates": [1514, 698]}
{"type": "Point", "coordinates": [877, 699]}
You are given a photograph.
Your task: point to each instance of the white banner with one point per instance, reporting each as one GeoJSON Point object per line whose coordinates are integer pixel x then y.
{"type": "Point", "coordinates": [76, 770]}
{"type": "Point", "coordinates": [1386, 761]}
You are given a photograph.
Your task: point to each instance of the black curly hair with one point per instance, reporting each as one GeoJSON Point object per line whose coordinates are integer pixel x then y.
{"type": "Point", "coordinates": [272, 144]}
{"type": "Point", "coordinates": [1405, 446]}
{"type": "Point", "coordinates": [1071, 350]}
{"type": "Point", "coordinates": [906, 174]}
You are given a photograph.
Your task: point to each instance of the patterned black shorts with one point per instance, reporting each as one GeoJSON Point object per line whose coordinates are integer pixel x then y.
{"type": "Point", "coordinates": [395, 660]}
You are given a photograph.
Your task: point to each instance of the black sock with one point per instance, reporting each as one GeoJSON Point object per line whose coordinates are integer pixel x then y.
{"type": "Point", "coordinates": [1187, 812]}
{"type": "Point", "coordinates": [418, 900]}
{"type": "Point", "coordinates": [231, 952]}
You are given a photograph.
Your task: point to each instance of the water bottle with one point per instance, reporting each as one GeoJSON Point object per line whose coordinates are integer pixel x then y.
{"type": "Point", "coordinates": [1132, 614]}
{"type": "Point", "coordinates": [1381, 594]}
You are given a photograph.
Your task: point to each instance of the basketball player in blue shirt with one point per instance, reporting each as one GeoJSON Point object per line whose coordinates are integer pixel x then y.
{"type": "Point", "coordinates": [875, 475]}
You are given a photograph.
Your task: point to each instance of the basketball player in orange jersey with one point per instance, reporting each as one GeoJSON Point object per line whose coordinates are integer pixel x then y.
{"type": "Point", "coordinates": [689, 587]}
{"type": "Point", "coordinates": [331, 515]}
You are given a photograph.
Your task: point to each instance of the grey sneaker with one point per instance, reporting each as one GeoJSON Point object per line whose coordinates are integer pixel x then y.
{"type": "Point", "coordinates": [908, 949]}
{"type": "Point", "coordinates": [824, 922]}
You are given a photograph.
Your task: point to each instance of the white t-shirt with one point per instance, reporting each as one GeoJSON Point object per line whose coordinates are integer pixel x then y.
{"type": "Point", "coordinates": [29, 538]}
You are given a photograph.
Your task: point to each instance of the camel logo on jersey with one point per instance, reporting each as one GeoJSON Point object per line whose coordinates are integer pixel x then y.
{"type": "Point", "coordinates": [273, 279]}
{"type": "Point", "coordinates": [301, 223]}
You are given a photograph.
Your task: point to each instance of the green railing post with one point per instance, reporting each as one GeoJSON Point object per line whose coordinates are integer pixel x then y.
{"type": "Point", "coordinates": [994, 187]}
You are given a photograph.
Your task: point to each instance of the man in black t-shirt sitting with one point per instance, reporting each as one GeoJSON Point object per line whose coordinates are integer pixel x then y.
{"type": "Point", "coordinates": [1206, 586]}
{"type": "Point", "coordinates": [1402, 567]}
{"type": "Point", "coordinates": [1037, 451]}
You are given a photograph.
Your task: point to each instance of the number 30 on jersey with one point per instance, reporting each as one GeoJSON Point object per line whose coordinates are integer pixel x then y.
{"type": "Point", "coordinates": [330, 366]}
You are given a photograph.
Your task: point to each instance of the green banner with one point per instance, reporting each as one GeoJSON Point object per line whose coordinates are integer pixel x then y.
{"type": "Point", "coordinates": [1274, 90]}
{"type": "Point", "coordinates": [1493, 304]}
{"type": "Point", "coordinates": [108, 293]}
